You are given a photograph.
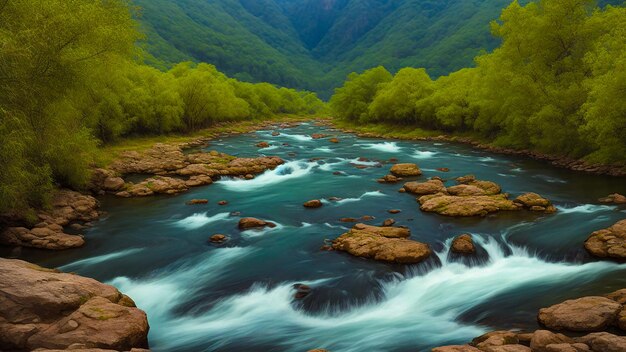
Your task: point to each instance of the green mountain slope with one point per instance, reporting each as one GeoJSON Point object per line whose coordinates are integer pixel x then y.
{"type": "Point", "coordinates": [314, 44]}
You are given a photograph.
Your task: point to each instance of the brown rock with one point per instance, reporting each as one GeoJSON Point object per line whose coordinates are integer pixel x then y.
{"type": "Point", "coordinates": [275, 133]}
{"type": "Point", "coordinates": [507, 348]}
{"type": "Point", "coordinates": [315, 203]}
{"type": "Point", "coordinates": [250, 223]}
{"type": "Point", "coordinates": [113, 184]}
{"type": "Point", "coordinates": [604, 342]}
{"type": "Point", "coordinates": [217, 238]}
{"type": "Point", "coordinates": [567, 347]}
{"type": "Point", "coordinates": [610, 242]}
{"type": "Point", "coordinates": [49, 237]}
{"type": "Point", "coordinates": [198, 180]}
{"type": "Point", "coordinates": [367, 218]}
{"type": "Point", "coordinates": [43, 308]}
{"type": "Point", "coordinates": [542, 338]}
{"type": "Point", "coordinates": [463, 244]}
{"type": "Point", "coordinates": [614, 198]}
{"type": "Point", "coordinates": [197, 201]}
{"type": "Point", "coordinates": [592, 313]}
{"type": "Point", "coordinates": [618, 296]}
{"type": "Point", "coordinates": [263, 145]}
{"type": "Point", "coordinates": [530, 200]}
{"type": "Point", "coordinates": [222, 202]}
{"type": "Point", "coordinates": [405, 170]}
{"type": "Point", "coordinates": [318, 135]}
{"type": "Point", "coordinates": [387, 244]}
{"type": "Point", "coordinates": [334, 140]}
{"type": "Point", "coordinates": [424, 188]}
{"type": "Point", "coordinates": [495, 338]}
{"type": "Point", "coordinates": [348, 219]}
{"type": "Point", "coordinates": [465, 206]}
{"type": "Point", "coordinates": [394, 211]}
{"type": "Point", "coordinates": [389, 179]}
{"type": "Point", "coordinates": [443, 169]}
{"type": "Point", "coordinates": [388, 222]}
{"type": "Point", "coordinates": [466, 179]}
{"type": "Point", "coordinates": [466, 190]}
{"type": "Point", "coordinates": [456, 348]}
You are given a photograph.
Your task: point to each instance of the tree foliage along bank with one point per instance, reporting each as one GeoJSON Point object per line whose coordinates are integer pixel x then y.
{"type": "Point", "coordinates": [70, 79]}
{"type": "Point", "coordinates": [556, 84]}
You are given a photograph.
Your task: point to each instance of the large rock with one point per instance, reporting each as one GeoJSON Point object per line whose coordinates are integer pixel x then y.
{"type": "Point", "coordinates": [495, 339]}
{"type": "Point", "coordinates": [463, 244]}
{"type": "Point", "coordinates": [466, 206]}
{"type": "Point", "coordinates": [593, 313]}
{"type": "Point", "coordinates": [604, 342]}
{"type": "Point", "coordinates": [314, 203]}
{"type": "Point", "coordinates": [49, 237]}
{"type": "Point", "coordinates": [155, 185]}
{"type": "Point", "coordinates": [542, 338]}
{"type": "Point", "coordinates": [466, 190]}
{"type": "Point", "coordinates": [488, 187]}
{"type": "Point", "coordinates": [387, 244]}
{"type": "Point", "coordinates": [113, 184]}
{"type": "Point", "coordinates": [405, 170]}
{"type": "Point", "coordinates": [568, 347]}
{"type": "Point", "coordinates": [424, 188]}
{"type": "Point", "coordinates": [610, 242]}
{"type": "Point", "coordinates": [614, 198]}
{"type": "Point", "coordinates": [42, 308]}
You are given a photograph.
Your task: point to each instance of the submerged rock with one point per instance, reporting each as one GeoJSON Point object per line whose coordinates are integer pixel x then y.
{"type": "Point", "coordinates": [389, 244]}
{"type": "Point", "coordinates": [593, 313]}
{"type": "Point", "coordinates": [463, 244]}
{"type": "Point", "coordinates": [302, 291]}
{"type": "Point", "coordinates": [334, 140]}
{"type": "Point", "coordinates": [197, 201]}
{"type": "Point", "coordinates": [43, 308]}
{"type": "Point", "coordinates": [405, 170]}
{"type": "Point", "coordinates": [389, 179]}
{"type": "Point", "coordinates": [610, 242]}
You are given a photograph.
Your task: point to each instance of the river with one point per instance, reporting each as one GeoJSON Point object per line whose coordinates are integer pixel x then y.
{"type": "Point", "coordinates": [239, 297]}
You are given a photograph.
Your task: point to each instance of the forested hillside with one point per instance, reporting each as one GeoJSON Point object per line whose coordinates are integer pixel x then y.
{"type": "Point", "coordinates": [554, 85]}
{"type": "Point", "coordinates": [314, 44]}
{"type": "Point", "coordinates": [70, 81]}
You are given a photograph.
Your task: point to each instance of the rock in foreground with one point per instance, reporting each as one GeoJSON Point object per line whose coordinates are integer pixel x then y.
{"type": "Point", "coordinates": [42, 308]}
{"type": "Point", "coordinates": [610, 242]}
{"type": "Point", "coordinates": [388, 244]}
{"type": "Point", "coordinates": [592, 313]}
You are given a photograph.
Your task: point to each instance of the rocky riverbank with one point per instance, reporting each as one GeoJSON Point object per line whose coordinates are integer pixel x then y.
{"type": "Point", "coordinates": [44, 310]}
{"type": "Point", "coordinates": [555, 160]}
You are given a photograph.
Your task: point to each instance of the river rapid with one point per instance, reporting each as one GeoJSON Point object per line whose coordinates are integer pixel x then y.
{"type": "Point", "coordinates": [239, 296]}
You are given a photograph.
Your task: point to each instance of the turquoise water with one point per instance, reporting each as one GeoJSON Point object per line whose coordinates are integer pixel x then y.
{"type": "Point", "coordinates": [239, 297]}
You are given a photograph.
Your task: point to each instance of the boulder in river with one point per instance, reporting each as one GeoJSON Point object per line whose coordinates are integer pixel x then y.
{"type": "Point", "coordinates": [463, 244]}
{"type": "Point", "coordinates": [47, 309]}
{"type": "Point", "coordinates": [424, 188]}
{"type": "Point", "coordinates": [534, 202]}
{"type": "Point", "coordinates": [218, 238]}
{"type": "Point", "coordinates": [465, 206]}
{"type": "Point", "coordinates": [405, 170]}
{"type": "Point", "coordinates": [610, 242]}
{"type": "Point", "coordinates": [593, 313]}
{"type": "Point", "coordinates": [334, 140]}
{"type": "Point", "coordinates": [388, 222]}
{"type": "Point", "coordinates": [314, 203]}
{"type": "Point", "coordinates": [251, 223]}
{"type": "Point", "coordinates": [389, 179]}
{"type": "Point", "coordinates": [614, 198]}
{"type": "Point", "coordinates": [262, 145]}
{"type": "Point", "coordinates": [388, 244]}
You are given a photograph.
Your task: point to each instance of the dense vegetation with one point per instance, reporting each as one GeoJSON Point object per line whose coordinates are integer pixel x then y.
{"type": "Point", "coordinates": [70, 80]}
{"type": "Point", "coordinates": [556, 84]}
{"type": "Point", "coordinates": [314, 44]}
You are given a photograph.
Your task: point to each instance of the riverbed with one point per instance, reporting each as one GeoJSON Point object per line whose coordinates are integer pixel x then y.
{"type": "Point", "coordinates": [239, 296]}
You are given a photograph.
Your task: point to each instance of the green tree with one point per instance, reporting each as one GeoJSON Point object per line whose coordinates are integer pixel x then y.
{"type": "Point", "coordinates": [351, 101]}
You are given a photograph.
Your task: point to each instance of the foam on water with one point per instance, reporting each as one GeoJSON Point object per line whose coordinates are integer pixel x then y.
{"type": "Point", "coordinates": [323, 150]}
{"type": "Point", "coordinates": [423, 154]}
{"type": "Point", "coordinates": [287, 171]}
{"type": "Point", "coordinates": [585, 208]}
{"type": "Point", "coordinates": [390, 147]}
{"type": "Point", "coordinates": [298, 137]}
{"type": "Point", "coordinates": [98, 259]}
{"type": "Point", "coordinates": [364, 195]}
{"type": "Point", "coordinates": [198, 220]}
{"type": "Point", "coordinates": [258, 232]}
{"type": "Point", "coordinates": [419, 311]}
{"type": "Point", "coordinates": [550, 179]}
{"type": "Point", "coordinates": [356, 161]}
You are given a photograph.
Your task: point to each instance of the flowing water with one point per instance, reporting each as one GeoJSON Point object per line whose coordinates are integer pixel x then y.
{"type": "Point", "coordinates": [239, 296]}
